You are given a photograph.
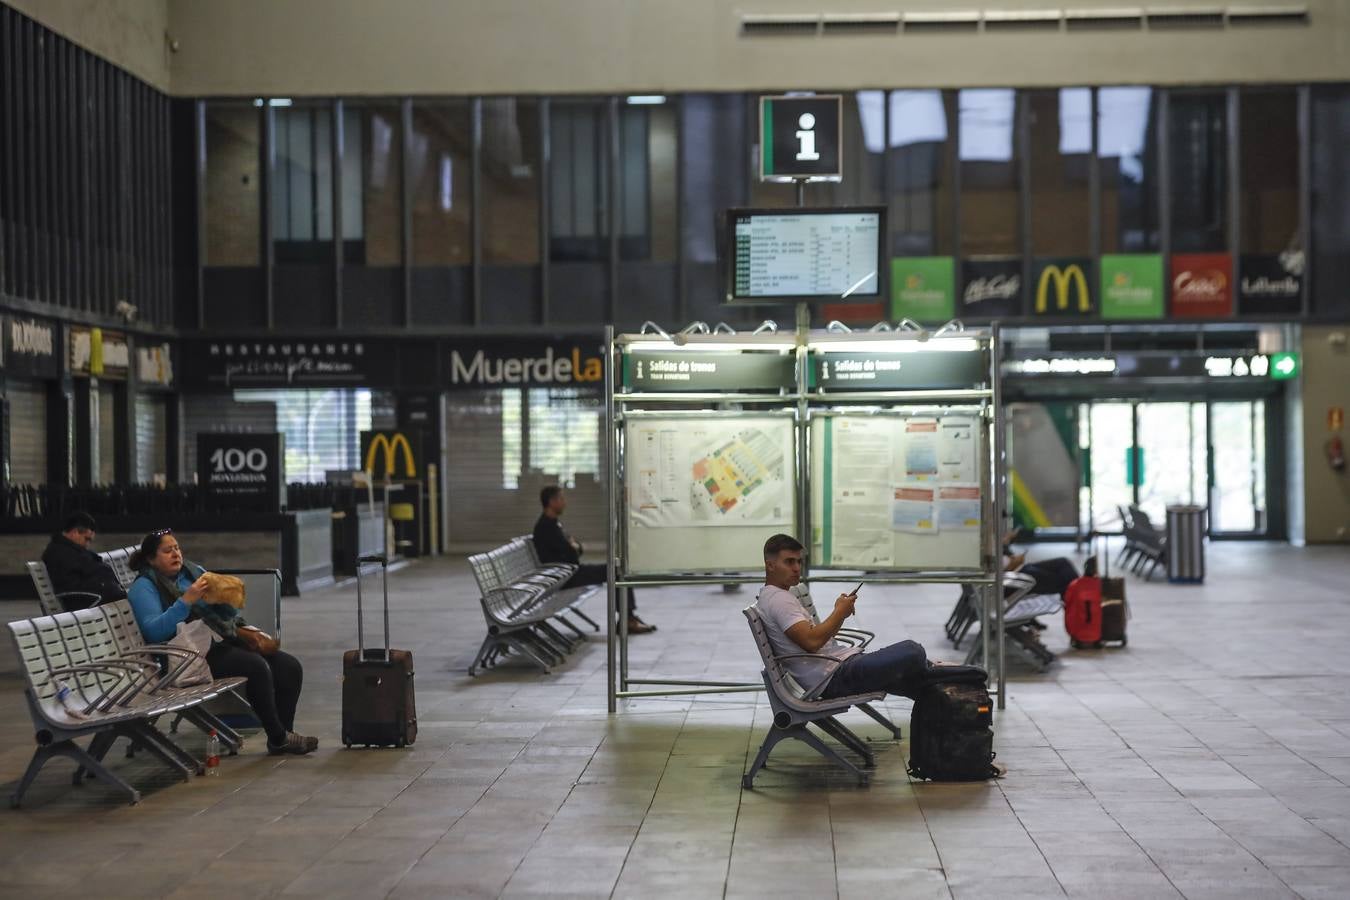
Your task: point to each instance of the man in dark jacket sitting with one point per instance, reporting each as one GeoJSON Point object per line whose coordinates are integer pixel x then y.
{"type": "Point", "coordinates": [72, 566]}
{"type": "Point", "coordinates": [556, 546]}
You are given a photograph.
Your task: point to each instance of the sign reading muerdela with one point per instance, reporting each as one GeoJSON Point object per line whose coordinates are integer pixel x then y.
{"type": "Point", "coordinates": [30, 347]}
{"type": "Point", "coordinates": [242, 471]}
{"type": "Point", "coordinates": [491, 363]}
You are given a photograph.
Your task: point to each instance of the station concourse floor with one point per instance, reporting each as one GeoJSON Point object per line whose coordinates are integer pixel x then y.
{"type": "Point", "coordinates": [1209, 758]}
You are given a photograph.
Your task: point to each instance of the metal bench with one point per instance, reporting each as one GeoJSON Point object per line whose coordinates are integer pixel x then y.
{"type": "Point", "coordinates": [1021, 608]}
{"type": "Point", "coordinates": [858, 638]}
{"type": "Point", "coordinates": [48, 598]}
{"type": "Point", "coordinates": [117, 689]}
{"type": "Point", "coordinates": [793, 713]}
{"type": "Point", "coordinates": [521, 599]}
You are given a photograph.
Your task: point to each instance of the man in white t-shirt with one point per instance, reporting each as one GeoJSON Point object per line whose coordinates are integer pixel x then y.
{"type": "Point", "coordinates": [844, 670]}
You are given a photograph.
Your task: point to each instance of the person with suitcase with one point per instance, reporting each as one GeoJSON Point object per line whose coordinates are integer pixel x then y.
{"type": "Point", "coordinates": [379, 707]}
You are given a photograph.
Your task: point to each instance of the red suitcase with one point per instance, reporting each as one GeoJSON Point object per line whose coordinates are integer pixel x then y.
{"type": "Point", "coordinates": [1083, 611]}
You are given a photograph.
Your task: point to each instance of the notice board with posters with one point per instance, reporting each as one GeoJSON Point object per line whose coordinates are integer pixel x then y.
{"type": "Point", "coordinates": [704, 491]}
{"type": "Point", "coordinates": [898, 490]}
{"type": "Point", "coordinates": [242, 471]}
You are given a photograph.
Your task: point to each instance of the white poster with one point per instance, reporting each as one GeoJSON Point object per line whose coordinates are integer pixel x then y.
{"type": "Point", "coordinates": [956, 448]}
{"type": "Point", "coordinates": [860, 490]}
{"type": "Point", "coordinates": [706, 472]}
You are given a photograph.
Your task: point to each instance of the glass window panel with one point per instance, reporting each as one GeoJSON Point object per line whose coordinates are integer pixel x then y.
{"type": "Point", "coordinates": [322, 428]}
{"type": "Point", "coordinates": [1198, 162]}
{"type": "Point", "coordinates": [232, 211]}
{"type": "Point", "coordinates": [989, 178]}
{"type": "Point", "coordinates": [1112, 434]}
{"type": "Point", "coordinates": [1127, 160]}
{"type": "Point", "coordinates": [510, 180]}
{"type": "Point", "coordinates": [439, 161]}
{"type": "Point", "coordinates": [1061, 148]}
{"type": "Point", "coordinates": [647, 154]}
{"type": "Point", "coordinates": [372, 184]}
{"type": "Point", "coordinates": [578, 181]}
{"type": "Point", "coordinates": [920, 173]}
{"type": "Point", "coordinates": [1269, 153]}
{"type": "Point", "coordinates": [863, 155]}
{"type": "Point", "coordinates": [565, 428]}
{"type": "Point", "coordinates": [1330, 200]}
{"type": "Point", "coordinates": [302, 182]}
{"type": "Point", "coordinates": [713, 130]}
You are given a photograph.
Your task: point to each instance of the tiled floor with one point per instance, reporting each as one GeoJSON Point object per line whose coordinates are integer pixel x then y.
{"type": "Point", "coordinates": [1210, 758]}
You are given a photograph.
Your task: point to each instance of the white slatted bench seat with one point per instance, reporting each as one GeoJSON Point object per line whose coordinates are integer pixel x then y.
{"type": "Point", "coordinates": [117, 690]}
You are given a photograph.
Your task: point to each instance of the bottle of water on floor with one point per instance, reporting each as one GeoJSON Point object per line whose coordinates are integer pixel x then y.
{"type": "Point", "coordinates": [213, 754]}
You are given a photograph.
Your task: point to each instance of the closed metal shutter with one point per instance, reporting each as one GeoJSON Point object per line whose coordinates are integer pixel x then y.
{"type": "Point", "coordinates": [151, 436]}
{"type": "Point", "coordinates": [27, 431]}
{"type": "Point", "coordinates": [504, 445]}
{"type": "Point", "coordinates": [107, 434]}
{"type": "Point", "coordinates": [220, 413]}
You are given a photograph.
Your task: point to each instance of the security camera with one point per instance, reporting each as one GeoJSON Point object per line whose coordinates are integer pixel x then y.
{"type": "Point", "coordinates": [125, 310]}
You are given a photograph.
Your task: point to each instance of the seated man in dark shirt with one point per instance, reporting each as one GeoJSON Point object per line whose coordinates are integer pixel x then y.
{"type": "Point", "coordinates": [72, 566]}
{"type": "Point", "coordinates": [556, 546]}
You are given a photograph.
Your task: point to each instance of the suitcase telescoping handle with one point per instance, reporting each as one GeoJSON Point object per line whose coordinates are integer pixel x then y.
{"type": "Point", "coordinates": [360, 615]}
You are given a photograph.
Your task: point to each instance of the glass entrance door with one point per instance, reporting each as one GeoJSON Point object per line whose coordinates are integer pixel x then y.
{"type": "Point", "coordinates": [1237, 496]}
{"type": "Point", "coordinates": [1155, 454]}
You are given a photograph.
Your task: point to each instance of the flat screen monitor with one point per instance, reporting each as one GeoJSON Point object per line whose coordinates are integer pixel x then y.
{"type": "Point", "coordinates": [827, 254]}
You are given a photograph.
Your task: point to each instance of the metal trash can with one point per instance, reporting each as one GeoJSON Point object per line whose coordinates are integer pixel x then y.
{"type": "Point", "coordinates": [1186, 544]}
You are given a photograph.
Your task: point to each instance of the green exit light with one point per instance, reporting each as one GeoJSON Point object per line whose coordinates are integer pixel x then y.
{"type": "Point", "coordinates": [1283, 366]}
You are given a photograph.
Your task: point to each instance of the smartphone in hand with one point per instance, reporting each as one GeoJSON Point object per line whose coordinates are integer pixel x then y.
{"type": "Point", "coordinates": [854, 592]}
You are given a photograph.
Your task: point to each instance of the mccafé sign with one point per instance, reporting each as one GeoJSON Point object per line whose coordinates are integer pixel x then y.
{"type": "Point", "coordinates": [1063, 288]}
{"type": "Point", "coordinates": [472, 364]}
{"type": "Point", "coordinates": [1202, 285]}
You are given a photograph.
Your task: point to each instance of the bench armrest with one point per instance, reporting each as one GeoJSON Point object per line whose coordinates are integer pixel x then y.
{"type": "Point", "coordinates": [113, 667]}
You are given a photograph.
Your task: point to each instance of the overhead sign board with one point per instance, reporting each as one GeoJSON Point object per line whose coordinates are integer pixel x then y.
{"type": "Point", "coordinates": [480, 363]}
{"type": "Point", "coordinates": [703, 370]}
{"type": "Point", "coordinates": [29, 347]}
{"type": "Point", "coordinates": [1156, 365]}
{"type": "Point", "coordinates": [102, 354]}
{"type": "Point", "coordinates": [801, 138]}
{"type": "Point", "coordinates": [918, 370]}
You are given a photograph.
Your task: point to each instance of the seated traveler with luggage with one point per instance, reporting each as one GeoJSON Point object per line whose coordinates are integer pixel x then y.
{"type": "Point", "coordinates": [170, 590]}
{"type": "Point", "coordinates": [554, 545]}
{"type": "Point", "coordinates": [897, 669]}
{"type": "Point", "coordinates": [72, 566]}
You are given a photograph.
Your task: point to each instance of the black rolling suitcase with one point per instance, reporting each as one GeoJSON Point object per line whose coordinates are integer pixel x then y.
{"type": "Point", "coordinates": [1115, 609]}
{"type": "Point", "coordinates": [378, 704]}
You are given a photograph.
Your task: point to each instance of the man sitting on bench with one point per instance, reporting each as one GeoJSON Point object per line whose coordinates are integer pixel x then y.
{"type": "Point", "coordinates": [554, 545]}
{"type": "Point", "coordinates": [72, 566]}
{"type": "Point", "coordinates": [897, 669]}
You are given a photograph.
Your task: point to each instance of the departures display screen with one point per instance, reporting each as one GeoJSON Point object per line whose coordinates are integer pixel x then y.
{"type": "Point", "coordinates": [806, 254]}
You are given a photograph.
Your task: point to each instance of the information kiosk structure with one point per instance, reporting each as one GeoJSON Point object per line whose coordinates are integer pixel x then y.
{"type": "Point", "coordinates": [882, 450]}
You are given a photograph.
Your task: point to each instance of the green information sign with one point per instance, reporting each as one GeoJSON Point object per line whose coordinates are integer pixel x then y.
{"type": "Point", "coordinates": [1283, 366]}
{"type": "Point", "coordinates": [923, 288]}
{"type": "Point", "coordinates": [1132, 286]}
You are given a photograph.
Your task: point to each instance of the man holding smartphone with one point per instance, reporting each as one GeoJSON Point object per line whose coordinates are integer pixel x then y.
{"type": "Point", "coordinates": [824, 667]}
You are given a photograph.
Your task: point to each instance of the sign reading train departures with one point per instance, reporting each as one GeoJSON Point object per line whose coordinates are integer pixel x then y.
{"type": "Point", "coordinates": [801, 138]}
{"type": "Point", "coordinates": [918, 370]}
{"type": "Point", "coordinates": [242, 471]}
{"type": "Point", "coordinates": [703, 370]}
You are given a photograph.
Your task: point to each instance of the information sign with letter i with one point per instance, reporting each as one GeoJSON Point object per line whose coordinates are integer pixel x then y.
{"type": "Point", "coordinates": [800, 138]}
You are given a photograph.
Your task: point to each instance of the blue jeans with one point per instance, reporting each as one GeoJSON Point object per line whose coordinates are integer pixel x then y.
{"type": "Point", "coordinates": [896, 669]}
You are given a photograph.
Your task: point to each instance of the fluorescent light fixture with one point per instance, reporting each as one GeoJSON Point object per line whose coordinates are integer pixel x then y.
{"type": "Point", "coordinates": [946, 345]}
{"type": "Point", "coordinates": [646, 99]}
{"type": "Point", "coordinates": [275, 101]}
{"type": "Point", "coordinates": [664, 346]}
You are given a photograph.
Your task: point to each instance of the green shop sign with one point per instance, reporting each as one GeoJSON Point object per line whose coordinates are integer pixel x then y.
{"type": "Point", "coordinates": [923, 288]}
{"type": "Point", "coordinates": [1132, 286]}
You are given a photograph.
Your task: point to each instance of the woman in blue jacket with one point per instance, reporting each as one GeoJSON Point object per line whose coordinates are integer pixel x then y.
{"type": "Point", "coordinates": [168, 591]}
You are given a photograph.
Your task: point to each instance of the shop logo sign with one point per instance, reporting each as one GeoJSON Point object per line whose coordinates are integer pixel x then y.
{"type": "Point", "coordinates": [1062, 280]}
{"type": "Point", "coordinates": [31, 337]}
{"type": "Point", "coordinates": [1202, 285]}
{"type": "Point", "coordinates": [923, 287]}
{"type": "Point", "coordinates": [999, 287]}
{"type": "Point", "coordinates": [380, 442]}
{"type": "Point", "coordinates": [1132, 286]}
{"type": "Point", "coordinates": [548, 368]}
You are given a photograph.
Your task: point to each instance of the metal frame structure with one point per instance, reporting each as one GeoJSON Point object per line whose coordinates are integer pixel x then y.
{"type": "Point", "coordinates": [804, 401]}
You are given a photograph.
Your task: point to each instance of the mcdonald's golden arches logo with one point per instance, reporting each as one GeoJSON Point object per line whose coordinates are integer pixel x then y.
{"type": "Point", "coordinates": [1062, 279]}
{"type": "Point", "coordinates": [390, 445]}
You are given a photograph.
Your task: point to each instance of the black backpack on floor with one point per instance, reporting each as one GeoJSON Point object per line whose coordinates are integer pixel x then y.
{"type": "Point", "coordinates": [951, 735]}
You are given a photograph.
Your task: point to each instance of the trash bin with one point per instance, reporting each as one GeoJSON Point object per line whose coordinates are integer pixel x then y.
{"type": "Point", "coordinates": [1186, 544]}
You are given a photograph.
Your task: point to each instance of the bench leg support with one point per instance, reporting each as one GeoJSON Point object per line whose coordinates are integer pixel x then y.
{"type": "Point", "coordinates": [82, 759]}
